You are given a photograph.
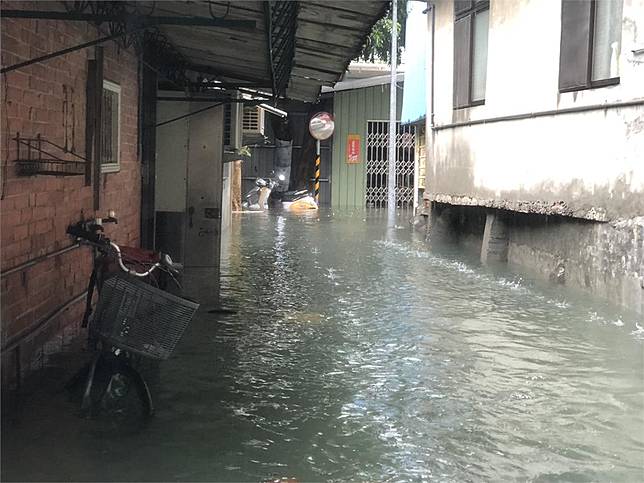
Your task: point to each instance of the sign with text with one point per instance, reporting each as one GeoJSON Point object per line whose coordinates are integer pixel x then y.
{"type": "Point", "coordinates": [353, 148]}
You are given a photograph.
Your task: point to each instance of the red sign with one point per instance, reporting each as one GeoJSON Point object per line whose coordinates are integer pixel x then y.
{"type": "Point", "coordinates": [353, 149]}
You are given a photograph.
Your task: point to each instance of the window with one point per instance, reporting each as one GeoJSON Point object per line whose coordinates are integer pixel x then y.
{"type": "Point", "coordinates": [591, 33]}
{"type": "Point", "coordinates": [111, 114]}
{"type": "Point", "coordinates": [471, 23]}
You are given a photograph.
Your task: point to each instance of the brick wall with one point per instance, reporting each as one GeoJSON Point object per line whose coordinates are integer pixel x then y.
{"type": "Point", "coordinates": [49, 99]}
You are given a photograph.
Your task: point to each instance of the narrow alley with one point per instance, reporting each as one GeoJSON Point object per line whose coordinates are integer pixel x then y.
{"type": "Point", "coordinates": [407, 238]}
{"type": "Point", "coordinates": [359, 352]}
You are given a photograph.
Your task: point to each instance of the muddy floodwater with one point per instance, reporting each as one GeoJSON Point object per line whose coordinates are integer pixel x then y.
{"type": "Point", "coordinates": [359, 353]}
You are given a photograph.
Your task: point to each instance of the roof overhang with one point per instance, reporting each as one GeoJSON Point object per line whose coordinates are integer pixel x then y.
{"type": "Point", "coordinates": [328, 35]}
{"type": "Point", "coordinates": [289, 49]}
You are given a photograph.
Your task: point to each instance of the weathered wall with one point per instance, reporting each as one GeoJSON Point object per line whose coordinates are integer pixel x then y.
{"type": "Point", "coordinates": [604, 259]}
{"type": "Point", "coordinates": [49, 99]}
{"type": "Point", "coordinates": [586, 164]}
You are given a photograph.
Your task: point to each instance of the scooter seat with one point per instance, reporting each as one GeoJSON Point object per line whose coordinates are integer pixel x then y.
{"type": "Point", "coordinates": [294, 195]}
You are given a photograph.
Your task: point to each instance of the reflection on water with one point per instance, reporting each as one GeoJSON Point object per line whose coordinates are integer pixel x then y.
{"type": "Point", "coordinates": [360, 354]}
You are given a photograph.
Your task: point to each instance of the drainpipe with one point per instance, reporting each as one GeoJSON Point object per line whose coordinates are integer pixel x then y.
{"type": "Point", "coordinates": [432, 9]}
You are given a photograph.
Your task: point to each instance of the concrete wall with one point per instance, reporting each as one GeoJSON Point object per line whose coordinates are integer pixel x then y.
{"type": "Point", "coordinates": [604, 259]}
{"type": "Point", "coordinates": [586, 164]}
{"type": "Point", "coordinates": [41, 300]}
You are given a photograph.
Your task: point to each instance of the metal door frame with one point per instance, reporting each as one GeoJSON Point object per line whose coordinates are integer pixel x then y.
{"type": "Point", "coordinates": [408, 188]}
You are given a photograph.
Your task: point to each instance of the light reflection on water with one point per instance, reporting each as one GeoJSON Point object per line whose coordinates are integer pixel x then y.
{"type": "Point", "coordinates": [360, 354]}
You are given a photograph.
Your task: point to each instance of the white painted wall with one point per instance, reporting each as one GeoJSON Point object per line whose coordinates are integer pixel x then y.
{"type": "Point", "coordinates": [589, 160]}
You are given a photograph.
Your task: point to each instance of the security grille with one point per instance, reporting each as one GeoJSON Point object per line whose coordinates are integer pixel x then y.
{"type": "Point", "coordinates": [378, 164]}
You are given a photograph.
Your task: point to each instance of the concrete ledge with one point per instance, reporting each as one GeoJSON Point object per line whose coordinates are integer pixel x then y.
{"type": "Point", "coordinates": [604, 259]}
{"type": "Point", "coordinates": [539, 207]}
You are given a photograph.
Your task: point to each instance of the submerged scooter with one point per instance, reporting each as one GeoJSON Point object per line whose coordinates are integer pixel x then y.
{"type": "Point", "coordinates": [299, 200]}
{"type": "Point", "coordinates": [257, 198]}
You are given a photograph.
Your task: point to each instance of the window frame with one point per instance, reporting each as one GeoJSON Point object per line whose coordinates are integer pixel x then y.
{"type": "Point", "coordinates": [475, 8]}
{"type": "Point", "coordinates": [590, 83]}
{"type": "Point", "coordinates": [114, 166]}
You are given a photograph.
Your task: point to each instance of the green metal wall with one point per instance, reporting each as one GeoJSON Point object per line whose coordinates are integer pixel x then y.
{"type": "Point", "coordinates": [351, 110]}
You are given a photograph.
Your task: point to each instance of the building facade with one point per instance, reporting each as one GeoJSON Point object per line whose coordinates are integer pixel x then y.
{"type": "Point", "coordinates": [535, 133]}
{"type": "Point", "coordinates": [359, 152]}
{"type": "Point", "coordinates": [44, 274]}
{"type": "Point", "coordinates": [121, 106]}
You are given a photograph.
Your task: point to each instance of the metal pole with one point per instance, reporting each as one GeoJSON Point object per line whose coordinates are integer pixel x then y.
{"type": "Point", "coordinates": [391, 179]}
{"type": "Point", "coordinates": [317, 172]}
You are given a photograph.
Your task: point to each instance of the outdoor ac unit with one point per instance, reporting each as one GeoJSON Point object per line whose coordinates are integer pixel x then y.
{"type": "Point", "coordinates": [253, 122]}
{"type": "Point", "coordinates": [232, 126]}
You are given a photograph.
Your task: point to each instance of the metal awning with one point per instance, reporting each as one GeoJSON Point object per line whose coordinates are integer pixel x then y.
{"type": "Point", "coordinates": [328, 35]}
{"type": "Point", "coordinates": [287, 48]}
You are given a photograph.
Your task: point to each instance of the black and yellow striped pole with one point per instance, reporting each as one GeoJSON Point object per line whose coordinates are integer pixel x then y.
{"type": "Point", "coordinates": [317, 173]}
{"type": "Point", "coordinates": [321, 127]}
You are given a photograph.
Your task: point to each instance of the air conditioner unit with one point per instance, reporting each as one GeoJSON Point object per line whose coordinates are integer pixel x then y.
{"type": "Point", "coordinates": [253, 121]}
{"type": "Point", "coordinates": [232, 126]}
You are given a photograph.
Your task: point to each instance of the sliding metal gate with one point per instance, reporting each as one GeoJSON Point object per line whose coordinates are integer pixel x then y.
{"type": "Point", "coordinates": [378, 164]}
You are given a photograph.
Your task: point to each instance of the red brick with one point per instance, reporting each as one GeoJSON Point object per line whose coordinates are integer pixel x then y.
{"type": "Point", "coordinates": [20, 232]}
{"type": "Point", "coordinates": [15, 46]}
{"type": "Point", "coordinates": [42, 199]}
{"type": "Point", "coordinates": [33, 99]}
{"type": "Point", "coordinates": [26, 215]}
{"type": "Point", "coordinates": [10, 251]}
{"type": "Point", "coordinates": [10, 219]}
{"type": "Point", "coordinates": [20, 201]}
{"type": "Point", "coordinates": [15, 93]}
{"type": "Point", "coordinates": [42, 206]}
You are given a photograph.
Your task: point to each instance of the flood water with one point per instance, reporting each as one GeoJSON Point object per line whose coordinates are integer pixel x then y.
{"type": "Point", "coordinates": [360, 353]}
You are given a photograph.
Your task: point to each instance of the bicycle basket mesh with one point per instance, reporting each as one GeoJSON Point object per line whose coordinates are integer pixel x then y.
{"type": "Point", "coordinates": [138, 317]}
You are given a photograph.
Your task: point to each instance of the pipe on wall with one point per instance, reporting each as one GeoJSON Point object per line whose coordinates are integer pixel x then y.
{"type": "Point", "coordinates": [532, 115]}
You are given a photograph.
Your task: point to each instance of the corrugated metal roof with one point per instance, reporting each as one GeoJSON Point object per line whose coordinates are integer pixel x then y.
{"type": "Point", "coordinates": [364, 82]}
{"type": "Point", "coordinates": [329, 35]}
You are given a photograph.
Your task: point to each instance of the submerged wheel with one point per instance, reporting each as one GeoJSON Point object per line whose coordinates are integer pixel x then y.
{"type": "Point", "coordinates": [119, 395]}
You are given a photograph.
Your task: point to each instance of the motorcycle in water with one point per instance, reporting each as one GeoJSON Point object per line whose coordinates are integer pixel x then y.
{"type": "Point", "coordinates": [257, 198]}
{"type": "Point", "coordinates": [300, 200]}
